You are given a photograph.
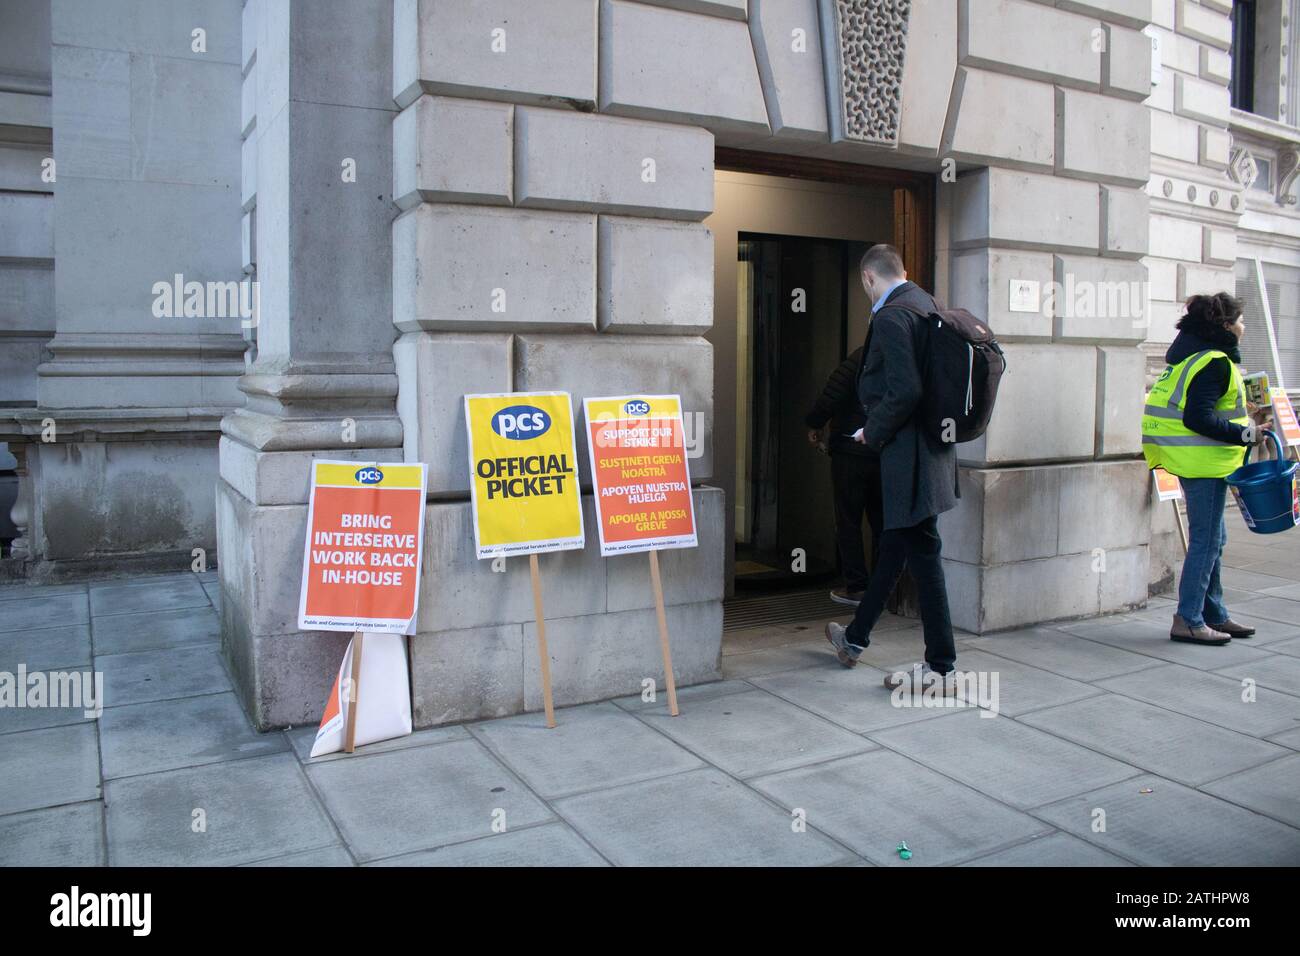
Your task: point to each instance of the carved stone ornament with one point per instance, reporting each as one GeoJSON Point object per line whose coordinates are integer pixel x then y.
{"type": "Point", "coordinates": [1288, 168]}
{"type": "Point", "coordinates": [871, 37]}
{"type": "Point", "coordinates": [1241, 167]}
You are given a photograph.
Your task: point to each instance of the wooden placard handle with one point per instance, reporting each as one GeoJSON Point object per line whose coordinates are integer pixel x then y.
{"type": "Point", "coordinates": [663, 631]}
{"type": "Point", "coordinates": [542, 654]}
{"type": "Point", "coordinates": [350, 737]}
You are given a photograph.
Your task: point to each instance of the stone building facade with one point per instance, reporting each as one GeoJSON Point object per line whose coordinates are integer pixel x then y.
{"type": "Point", "coordinates": [436, 198]}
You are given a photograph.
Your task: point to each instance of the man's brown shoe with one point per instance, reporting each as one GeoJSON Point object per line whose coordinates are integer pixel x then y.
{"type": "Point", "coordinates": [1196, 635]}
{"type": "Point", "coordinates": [1233, 629]}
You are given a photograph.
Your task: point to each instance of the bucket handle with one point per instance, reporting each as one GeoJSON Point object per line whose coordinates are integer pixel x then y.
{"type": "Point", "coordinates": [1277, 446]}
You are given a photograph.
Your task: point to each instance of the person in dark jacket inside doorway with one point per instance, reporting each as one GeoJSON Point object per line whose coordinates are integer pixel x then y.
{"type": "Point", "coordinates": [855, 474]}
{"type": "Point", "coordinates": [918, 475]}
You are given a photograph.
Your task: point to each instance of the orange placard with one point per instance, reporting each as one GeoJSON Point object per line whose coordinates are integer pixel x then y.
{"type": "Point", "coordinates": [1167, 486]}
{"type": "Point", "coordinates": [639, 474]}
{"type": "Point", "coordinates": [1284, 417]}
{"type": "Point", "coordinates": [361, 561]}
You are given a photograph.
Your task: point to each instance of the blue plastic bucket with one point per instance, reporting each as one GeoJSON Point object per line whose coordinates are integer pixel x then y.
{"type": "Point", "coordinates": [1267, 492]}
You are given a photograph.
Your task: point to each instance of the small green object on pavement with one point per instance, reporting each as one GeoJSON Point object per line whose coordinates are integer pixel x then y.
{"type": "Point", "coordinates": [903, 852]}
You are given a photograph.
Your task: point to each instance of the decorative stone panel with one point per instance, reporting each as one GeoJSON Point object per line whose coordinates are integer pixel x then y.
{"type": "Point", "coordinates": [865, 45]}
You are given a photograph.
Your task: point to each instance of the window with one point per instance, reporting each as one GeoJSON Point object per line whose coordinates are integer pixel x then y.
{"type": "Point", "coordinates": [1282, 294]}
{"type": "Point", "coordinates": [1243, 55]}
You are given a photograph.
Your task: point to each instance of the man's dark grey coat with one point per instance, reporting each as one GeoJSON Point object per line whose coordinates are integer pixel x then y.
{"type": "Point", "coordinates": [918, 472]}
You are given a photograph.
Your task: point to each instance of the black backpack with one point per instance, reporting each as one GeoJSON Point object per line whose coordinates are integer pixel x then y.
{"type": "Point", "coordinates": [961, 368]}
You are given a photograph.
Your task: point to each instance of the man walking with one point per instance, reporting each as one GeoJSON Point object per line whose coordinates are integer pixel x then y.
{"type": "Point", "coordinates": [918, 474]}
{"type": "Point", "coordinates": [855, 475]}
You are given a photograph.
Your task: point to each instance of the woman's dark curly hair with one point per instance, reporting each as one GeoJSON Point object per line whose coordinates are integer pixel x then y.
{"type": "Point", "coordinates": [1208, 316]}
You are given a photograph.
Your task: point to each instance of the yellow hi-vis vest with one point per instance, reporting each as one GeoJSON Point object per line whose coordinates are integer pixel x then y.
{"type": "Point", "coordinates": [1169, 444]}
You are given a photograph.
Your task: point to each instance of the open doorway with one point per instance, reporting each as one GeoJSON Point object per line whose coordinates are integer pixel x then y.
{"type": "Point", "coordinates": [783, 224]}
{"type": "Point", "coordinates": [797, 320]}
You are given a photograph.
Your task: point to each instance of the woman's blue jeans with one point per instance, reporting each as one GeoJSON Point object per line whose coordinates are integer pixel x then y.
{"type": "Point", "coordinates": [1200, 593]}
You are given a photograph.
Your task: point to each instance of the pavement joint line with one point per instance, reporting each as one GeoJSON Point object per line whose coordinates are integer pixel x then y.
{"type": "Point", "coordinates": [854, 855]}
{"type": "Point", "coordinates": [320, 801]}
{"type": "Point", "coordinates": [240, 758]}
{"type": "Point", "coordinates": [556, 822]}
{"type": "Point", "coordinates": [550, 808]}
{"type": "Point", "coordinates": [362, 753]}
{"type": "Point", "coordinates": [285, 856]}
{"type": "Point", "coordinates": [8, 814]}
{"type": "Point", "coordinates": [158, 610]}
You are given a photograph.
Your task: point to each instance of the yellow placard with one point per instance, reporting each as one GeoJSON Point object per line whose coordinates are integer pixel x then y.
{"type": "Point", "coordinates": [523, 465]}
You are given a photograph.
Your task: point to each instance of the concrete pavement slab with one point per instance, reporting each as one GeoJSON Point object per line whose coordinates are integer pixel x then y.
{"type": "Point", "coordinates": [872, 801]}
{"type": "Point", "coordinates": [1152, 639]}
{"type": "Point", "coordinates": [1172, 745]}
{"type": "Point", "coordinates": [160, 675]}
{"type": "Point", "coordinates": [593, 747]}
{"type": "Point", "coordinates": [1252, 581]}
{"type": "Point", "coordinates": [754, 733]}
{"type": "Point", "coordinates": [1277, 608]}
{"type": "Point", "coordinates": [1174, 825]}
{"type": "Point", "coordinates": [218, 815]}
{"type": "Point", "coordinates": [551, 844]}
{"type": "Point", "coordinates": [302, 738]}
{"type": "Point", "coordinates": [1020, 688]}
{"type": "Point", "coordinates": [696, 692]}
{"type": "Point", "coordinates": [422, 797]}
{"type": "Point", "coordinates": [1278, 672]}
{"type": "Point", "coordinates": [45, 648]}
{"type": "Point", "coordinates": [48, 767]}
{"type": "Point", "coordinates": [698, 818]}
{"type": "Point", "coordinates": [165, 595]}
{"type": "Point", "coordinates": [1288, 738]}
{"type": "Point", "coordinates": [155, 630]}
{"type": "Point", "coordinates": [55, 610]}
{"type": "Point", "coordinates": [185, 732]}
{"type": "Point", "coordinates": [1058, 849]}
{"type": "Point", "coordinates": [1272, 789]}
{"type": "Point", "coordinates": [24, 591]}
{"type": "Point", "coordinates": [60, 836]}
{"type": "Point", "coordinates": [1210, 697]}
{"type": "Point", "coordinates": [773, 660]}
{"type": "Point", "coordinates": [330, 856]}
{"type": "Point", "coordinates": [1003, 758]}
{"type": "Point", "coordinates": [854, 698]}
{"type": "Point", "coordinates": [1061, 652]}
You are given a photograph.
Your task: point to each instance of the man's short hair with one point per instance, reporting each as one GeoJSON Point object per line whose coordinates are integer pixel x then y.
{"type": "Point", "coordinates": [884, 260]}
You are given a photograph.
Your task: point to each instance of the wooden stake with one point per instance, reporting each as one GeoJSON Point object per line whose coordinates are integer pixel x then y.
{"type": "Point", "coordinates": [350, 736]}
{"type": "Point", "coordinates": [1178, 520]}
{"type": "Point", "coordinates": [542, 653]}
{"type": "Point", "coordinates": [663, 631]}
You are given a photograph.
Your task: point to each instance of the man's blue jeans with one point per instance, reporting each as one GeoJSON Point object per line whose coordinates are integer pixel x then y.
{"type": "Point", "coordinates": [1200, 593]}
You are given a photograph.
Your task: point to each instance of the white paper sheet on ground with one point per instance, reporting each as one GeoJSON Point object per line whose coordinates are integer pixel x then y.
{"type": "Point", "coordinates": [383, 696]}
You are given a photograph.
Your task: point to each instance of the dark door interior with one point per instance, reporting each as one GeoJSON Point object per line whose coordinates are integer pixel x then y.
{"type": "Point", "coordinates": [799, 331]}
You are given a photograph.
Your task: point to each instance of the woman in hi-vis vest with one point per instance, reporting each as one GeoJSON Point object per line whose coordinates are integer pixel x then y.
{"type": "Point", "coordinates": [1197, 425]}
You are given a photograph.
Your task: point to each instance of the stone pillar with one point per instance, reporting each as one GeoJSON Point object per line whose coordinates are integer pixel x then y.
{"type": "Point", "coordinates": [1045, 242]}
{"type": "Point", "coordinates": [317, 207]}
{"type": "Point", "coordinates": [132, 387]}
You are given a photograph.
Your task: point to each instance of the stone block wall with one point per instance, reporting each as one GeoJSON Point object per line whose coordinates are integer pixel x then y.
{"type": "Point", "coordinates": [1047, 227]}
{"type": "Point", "coordinates": [552, 165]}
{"type": "Point", "coordinates": [1195, 204]}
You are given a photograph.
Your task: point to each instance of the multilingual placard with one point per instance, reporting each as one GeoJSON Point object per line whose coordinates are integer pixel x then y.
{"type": "Point", "coordinates": [639, 473]}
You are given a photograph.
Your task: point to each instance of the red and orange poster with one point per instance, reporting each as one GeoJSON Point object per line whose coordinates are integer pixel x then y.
{"type": "Point", "coordinates": [1284, 417]}
{"type": "Point", "coordinates": [639, 474]}
{"type": "Point", "coordinates": [365, 538]}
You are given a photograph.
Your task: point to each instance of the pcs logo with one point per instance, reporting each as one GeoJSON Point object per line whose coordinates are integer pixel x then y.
{"type": "Point", "coordinates": [369, 475]}
{"type": "Point", "coordinates": [521, 422]}
{"type": "Point", "coordinates": [637, 406]}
